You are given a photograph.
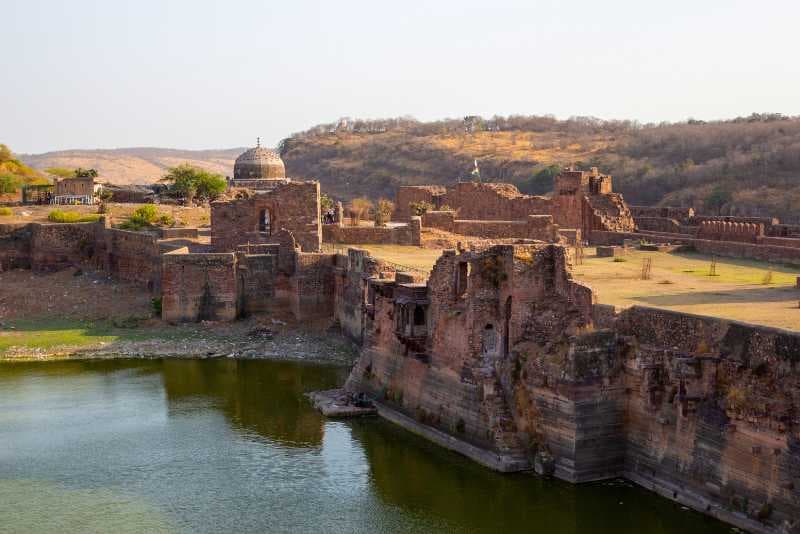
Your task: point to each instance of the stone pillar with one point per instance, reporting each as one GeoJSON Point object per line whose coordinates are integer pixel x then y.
{"type": "Point", "coordinates": [339, 214]}
{"type": "Point", "coordinates": [415, 224]}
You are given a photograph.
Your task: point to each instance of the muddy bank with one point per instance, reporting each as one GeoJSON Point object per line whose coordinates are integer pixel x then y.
{"type": "Point", "coordinates": [272, 339]}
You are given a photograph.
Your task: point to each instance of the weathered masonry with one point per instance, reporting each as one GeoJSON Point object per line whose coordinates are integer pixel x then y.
{"type": "Point", "coordinates": [582, 201]}
{"type": "Point", "coordinates": [503, 357]}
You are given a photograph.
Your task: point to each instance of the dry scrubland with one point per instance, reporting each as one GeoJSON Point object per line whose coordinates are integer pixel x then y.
{"type": "Point", "coordinates": [185, 216]}
{"type": "Point", "coordinates": [678, 281]}
{"type": "Point", "coordinates": [135, 165]}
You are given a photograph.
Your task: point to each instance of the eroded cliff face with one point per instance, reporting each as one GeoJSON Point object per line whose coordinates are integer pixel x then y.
{"type": "Point", "coordinates": [502, 356]}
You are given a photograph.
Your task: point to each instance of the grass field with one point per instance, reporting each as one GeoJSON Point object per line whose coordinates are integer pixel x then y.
{"type": "Point", "coordinates": [679, 282]}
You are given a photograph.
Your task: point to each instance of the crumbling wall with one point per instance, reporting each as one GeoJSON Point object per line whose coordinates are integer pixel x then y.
{"type": "Point", "coordinates": [15, 246]}
{"type": "Point", "coordinates": [407, 234]}
{"type": "Point", "coordinates": [313, 285]}
{"type": "Point", "coordinates": [59, 246]}
{"type": "Point", "coordinates": [408, 194]}
{"type": "Point", "coordinates": [132, 256]}
{"type": "Point", "coordinates": [493, 201]}
{"type": "Point", "coordinates": [256, 281]}
{"type": "Point", "coordinates": [198, 287]}
{"type": "Point", "coordinates": [293, 206]}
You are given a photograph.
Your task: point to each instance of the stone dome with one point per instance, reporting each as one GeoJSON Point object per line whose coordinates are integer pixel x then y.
{"type": "Point", "coordinates": [259, 163]}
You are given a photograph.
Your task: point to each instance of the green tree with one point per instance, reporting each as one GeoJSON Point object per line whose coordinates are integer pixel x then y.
{"type": "Point", "coordinates": [85, 173]}
{"type": "Point", "coordinates": [717, 200]}
{"type": "Point", "coordinates": [8, 184]}
{"type": "Point", "coordinates": [188, 182]}
{"type": "Point", "coordinates": [325, 202]}
{"type": "Point", "coordinates": [542, 182]}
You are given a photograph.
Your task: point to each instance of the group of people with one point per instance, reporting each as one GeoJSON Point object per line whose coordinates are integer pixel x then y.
{"type": "Point", "coordinates": [329, 217]}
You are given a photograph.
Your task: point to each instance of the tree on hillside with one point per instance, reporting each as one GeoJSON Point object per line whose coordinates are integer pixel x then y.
{"type": "Point", "coordinates": [85, 173]}
{"type": "Point", "coordinates": [541, 182]}
{"type": "Point", "coordinates": [717, 200]}
{"type": "Point", "coordinates": [5, 154]}
{"type": "Point", "coordinates": [189, 182]}
{"type": "Point", "coordinates": [8, 184]}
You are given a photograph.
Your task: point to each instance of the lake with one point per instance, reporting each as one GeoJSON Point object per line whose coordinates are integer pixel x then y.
{"type": "Point", "coordinates": [232, 445]}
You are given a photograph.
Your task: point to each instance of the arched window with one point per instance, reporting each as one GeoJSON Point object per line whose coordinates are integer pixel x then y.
{"type": "Point", "coordinates": [264, 222]}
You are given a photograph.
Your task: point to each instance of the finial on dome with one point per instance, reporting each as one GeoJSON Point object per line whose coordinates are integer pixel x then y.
{"type": "Point", "coordinates": [258, 141]}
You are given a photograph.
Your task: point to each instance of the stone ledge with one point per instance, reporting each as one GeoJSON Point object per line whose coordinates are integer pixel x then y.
{"type": "Point", "coordinates": [492, 460]}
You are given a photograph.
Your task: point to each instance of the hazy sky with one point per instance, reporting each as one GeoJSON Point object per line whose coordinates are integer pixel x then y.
{"type": "Point", "coordinates": [201, 74]}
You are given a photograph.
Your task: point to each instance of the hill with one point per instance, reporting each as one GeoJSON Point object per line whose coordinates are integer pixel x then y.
{"type": "Point", "coordinates": [135, 165]}
{"type": "Point", "coordinates": [14, 173]}
{"type": "Point", "coordinates": [745, 166]}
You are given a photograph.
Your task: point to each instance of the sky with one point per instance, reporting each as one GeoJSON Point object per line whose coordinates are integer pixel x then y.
{"type": "Point", "coordinates": [214, 74]}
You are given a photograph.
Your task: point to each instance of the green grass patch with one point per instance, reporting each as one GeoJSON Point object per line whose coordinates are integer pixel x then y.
{"type": "Point", "coordinates": [5, 212]}
{"type": "Point", "coordinates": [48, 334]}
{"type": "Point", "coordinates": [619, 260]}
{"type": "Point", "coordinates": [60, 216]}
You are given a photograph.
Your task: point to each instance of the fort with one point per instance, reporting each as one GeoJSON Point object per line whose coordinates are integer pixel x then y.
{"type": "Point", "coordinates": [499, 352]}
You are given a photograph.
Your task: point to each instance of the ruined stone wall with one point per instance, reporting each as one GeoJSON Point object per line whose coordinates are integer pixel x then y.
{"type": "Point", "coordinates": [728, 249]}
{"type": "Point", "coordinates": [59, 246]}
{"type": "Point", "coordinates": [659, 224]}
{"type": "Point", "coordinates": [408, 194]}
{"type": "Point", "coordinates": [408, 234]}
{"type": "Point", "coordinates": [539, 227]}
{"type": "Point", "coordinates": [15, 246]}
{"type": "Point", "coordinates": [712, 415]}
{"type": "Point", "coordinates": [198, 287]}
{"type": "Point", "coordinates": [293, 206]}
{"type": "Point", "coordinates": [490, 201]}
{"type": "Point", "coordinates": [664, 212]}
{"type": "Point", "coordinates": [132, 256]}
{"type": "Point", "coordinates": [508, 368]}
{"type": "Point", "coordinates": [313, 285]}
{"type": "Point", "coordinates": [257, 275]}
{"type": "Point", "coordinates": [730, 231]}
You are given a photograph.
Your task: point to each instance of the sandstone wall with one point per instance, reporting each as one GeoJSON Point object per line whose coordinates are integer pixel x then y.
{"type": "Point", "coordinates": [489, 201]}
{"type": "Point", "coordinates": [539, 227]}
{"type": "Point", "coordinates": [15, 246]}
{"type": "Point", "coordinates": [198, 287]}
{"type": "Point", "coordinates": [412, 194]}
{"type": "Point", "coordinates": [409, 234]}
{"type": "Point", "coordinates": [293, 206]}
{"type": "Point", "coordinates": [132, 256]}
{"type": "Point", "coordinates": [313, 285]}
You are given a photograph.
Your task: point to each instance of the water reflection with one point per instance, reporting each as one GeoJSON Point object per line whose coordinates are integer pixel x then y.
{"type": "Point", "coordinates": [223, 445]}
{"type": "Point", "coordinates": [265, 399]}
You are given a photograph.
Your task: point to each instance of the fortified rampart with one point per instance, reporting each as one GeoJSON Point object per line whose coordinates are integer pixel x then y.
{"type": "Point", "coordinates": [539, 227]}
{"type": "Point", "coordinates": [582, 200]}
{"type": "Point", "coordinates": [502, 357]}
{"type": "Point", "coordinates": [128, 256]}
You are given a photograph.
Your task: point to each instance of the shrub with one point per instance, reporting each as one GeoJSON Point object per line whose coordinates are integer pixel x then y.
{"type": "Point", "coordinates": [383, 212]}
{"type": "Point", "coordinates": [421, 207]}
{"type": "Point", "coordinates": [5, 212]}
{"type": "Point", "coordinates": [358, 209]}
{"type": "Point", "coordinates": [60, 216]}
{"type": "Point", "coordinates": [188, 182]}
{"type": "Point", "coordinates": [619, 260]}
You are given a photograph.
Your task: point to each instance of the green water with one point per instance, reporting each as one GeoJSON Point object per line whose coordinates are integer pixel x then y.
{"type": "Point", "coordinates": [232, 446]}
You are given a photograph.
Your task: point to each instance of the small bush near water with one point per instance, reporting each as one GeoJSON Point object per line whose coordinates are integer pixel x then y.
{"type": "Point", "coordinates": [5, 212]}
{"type": "Point", "coordinates": [72, 217]}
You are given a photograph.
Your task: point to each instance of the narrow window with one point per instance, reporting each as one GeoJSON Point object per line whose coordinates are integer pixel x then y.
{"type": "Point", "coordinates": [264, 222]}
{"type": "Point", "coordinates": [419, 316]}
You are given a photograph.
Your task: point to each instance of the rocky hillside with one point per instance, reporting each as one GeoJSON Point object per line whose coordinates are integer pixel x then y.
{"type": "Point", "coordinates": [135, 165]}
{"type": "Point", "coordinates": [749, 165]}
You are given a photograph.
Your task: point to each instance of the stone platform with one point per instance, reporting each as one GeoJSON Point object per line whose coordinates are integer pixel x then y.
{"type": "Point", "coordinates": [338, 403]}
